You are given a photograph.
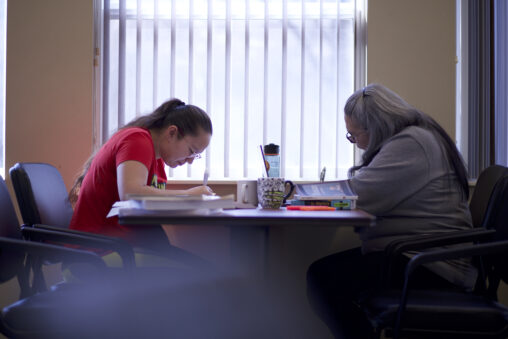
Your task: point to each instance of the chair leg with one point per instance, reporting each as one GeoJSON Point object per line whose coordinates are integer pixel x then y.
{"type": "Point", "coordinates": [39, 284]}
{"type": "Point", "coordinates": [23, 281]}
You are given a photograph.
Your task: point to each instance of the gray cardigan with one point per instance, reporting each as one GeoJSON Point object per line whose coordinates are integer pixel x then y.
{"type": "Point", "coordinates": [411, 187]}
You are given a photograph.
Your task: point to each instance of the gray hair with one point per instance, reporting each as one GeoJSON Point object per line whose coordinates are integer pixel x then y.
{"type": "Point", "coordinates": [383, 113]}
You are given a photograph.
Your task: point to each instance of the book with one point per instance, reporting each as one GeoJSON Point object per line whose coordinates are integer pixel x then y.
{"type": "Point", "coordinates": [328, 190]}
{"type": "Point", "coordinates": [336, 194]}
{"type": "Point", "coordinates": [340, 204]}
{"type": "Point", "coordinates": [310, 208]}
{"type": "Point", "coordinates": [181, 202]}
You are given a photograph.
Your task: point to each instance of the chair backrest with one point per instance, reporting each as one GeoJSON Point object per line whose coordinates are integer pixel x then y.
{"type": "Point", "coordinates": [496, 217]}
{"type": "Point", "coordinates": [41, 194]}
{"type": "Point", "coordinates": [483, 191]}
{"type": "Point", "coordinates": [10, 262]}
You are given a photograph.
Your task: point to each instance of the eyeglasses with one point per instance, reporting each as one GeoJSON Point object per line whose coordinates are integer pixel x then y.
{"type": "Point", "coordinates": [353, 139]}
{"type": "Point", "coordinates": [193, 155]}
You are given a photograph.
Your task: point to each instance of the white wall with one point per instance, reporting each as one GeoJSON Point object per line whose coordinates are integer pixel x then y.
{"type": "Point", "coordinates": [49, 83]}
{"type": "Point", "coordinates": [411, 49]}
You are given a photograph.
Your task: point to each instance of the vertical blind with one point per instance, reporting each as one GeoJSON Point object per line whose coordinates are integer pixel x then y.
{"type": "Point", "coordinates": [266, 71]}
{"type": "Point", "coordinates": [501, 81]}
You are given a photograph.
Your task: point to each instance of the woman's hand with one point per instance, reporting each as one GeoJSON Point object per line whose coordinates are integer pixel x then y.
{"type": "Point", "coordinates": [198, 190]}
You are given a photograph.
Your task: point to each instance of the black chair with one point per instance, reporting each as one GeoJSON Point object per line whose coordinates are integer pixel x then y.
{"type": "Point", "coordinates": [483, 190]}
{"type": "Point", "coordinates": [478, 203]}
{"type": "Point", "coordinates": [44, 204]}
{"type": "Point", "coordinates": [41, 194]}
{"type": "Point", "coordinates": [19, 264]}
{"type": "Point", "coordinates": [445, 313]}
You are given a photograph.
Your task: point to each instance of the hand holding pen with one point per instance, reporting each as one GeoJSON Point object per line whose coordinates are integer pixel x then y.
{"type": "Point", "coordinates": [201, 189]}
{"type": "Point", "coordinates": [205, 177]}
{"type": "Point", "coordinates": [205, 183]}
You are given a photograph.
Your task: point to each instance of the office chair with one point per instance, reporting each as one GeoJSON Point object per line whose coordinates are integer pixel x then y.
{"type": "Point", "coordinates": [446, 313]}
{"type": "Point", "coordinates": [43, 201]}
{"type": "Point", "coordinates": [483, 190]}
{"type": "Point", "coordinates": [478, 203]}
{"type": "Point", "coordinates": [44, 204]}
{"type": "Point", "coordinates": [14, 236]}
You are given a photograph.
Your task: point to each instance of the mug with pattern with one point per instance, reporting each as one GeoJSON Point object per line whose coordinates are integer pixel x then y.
{"type": "Point", "coordinates": [272, 192]}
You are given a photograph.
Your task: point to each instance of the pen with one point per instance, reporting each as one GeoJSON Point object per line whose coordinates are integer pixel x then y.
{"type": "Point", "coordinates": [310, 208]}
{"type": "Point", "coordinates": [322, 175]}
{"type": "Point", "coordinates": [205, 178]}
{"type": "Point", "coordinates": [264, 160]}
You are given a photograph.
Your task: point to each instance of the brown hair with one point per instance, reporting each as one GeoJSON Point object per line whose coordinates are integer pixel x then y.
{"type": "Point", "coordinates": [189, 119]}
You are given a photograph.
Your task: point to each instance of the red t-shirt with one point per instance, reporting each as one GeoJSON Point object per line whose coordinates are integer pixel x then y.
{"type": "Point", "coordinates": [99, 190]}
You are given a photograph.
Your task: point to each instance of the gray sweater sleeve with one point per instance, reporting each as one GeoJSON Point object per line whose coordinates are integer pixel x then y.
{"type": "Point", "coordinates": [400, 169]}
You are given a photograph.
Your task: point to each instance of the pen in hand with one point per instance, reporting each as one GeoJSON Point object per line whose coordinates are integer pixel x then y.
{"type": "Point", "coordinates": [205, 182]}
{"type": "Point", "coordinates": [205, 178]}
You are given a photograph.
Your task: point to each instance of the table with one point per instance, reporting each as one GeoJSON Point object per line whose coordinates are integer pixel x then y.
{"type": "Point", "coordinates": [255, 233]}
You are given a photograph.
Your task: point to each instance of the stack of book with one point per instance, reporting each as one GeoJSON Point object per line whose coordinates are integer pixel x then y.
{"type": "Point", "coordinates": [181, 202]}
{"type": "Point", "coordinates": [336, 194]}
{"type": "Point", "coordinates": [175, 204]}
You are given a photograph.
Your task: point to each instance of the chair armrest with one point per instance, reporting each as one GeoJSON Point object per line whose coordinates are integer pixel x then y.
{"type": "Point", "coordinates": [55, 234]}
{"type": "Point", "coordinates": [397, 247]}
{"type": "Point", "coordinates": [455, 253]}
{"type": "Point", "coordinates": [52, 252]}
{"type": "Point", "coordinates": [70, 231]}
{"type": "Point", "coordinates": [439, 255]}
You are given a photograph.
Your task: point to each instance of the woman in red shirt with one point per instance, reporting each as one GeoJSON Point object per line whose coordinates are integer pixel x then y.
{"type": "Point", "coordinates": [132, 162]}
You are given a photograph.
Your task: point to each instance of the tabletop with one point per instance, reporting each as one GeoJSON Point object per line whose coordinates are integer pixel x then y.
{"type": "Point", "coordinates": [249, 217]}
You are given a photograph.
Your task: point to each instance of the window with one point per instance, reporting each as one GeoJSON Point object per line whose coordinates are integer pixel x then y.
{"type": "Point", "coordinates": [482, 81]}
{"type": "Point", "coordinates": [501, 81]}
{"type": "Point", "coordinates": [265, 71]}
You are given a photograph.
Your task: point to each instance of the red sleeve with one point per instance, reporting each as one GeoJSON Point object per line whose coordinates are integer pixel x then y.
{"type": "Point", "coordinates": [161, 170]}
{"type": "Point", "coordinates": [136, 146]}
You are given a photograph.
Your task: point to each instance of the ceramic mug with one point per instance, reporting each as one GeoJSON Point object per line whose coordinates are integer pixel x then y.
{"type": "Point", "coordinates": [246, 192]}
{"type": "Point", "coordinates": [272, 192]}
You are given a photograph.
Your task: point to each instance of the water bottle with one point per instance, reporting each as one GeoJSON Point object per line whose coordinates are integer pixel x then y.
{"type": "Point", "coordinates": [272, 157]}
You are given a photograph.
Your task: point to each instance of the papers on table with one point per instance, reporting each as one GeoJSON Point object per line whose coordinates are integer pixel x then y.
{"type": "Point", "coordinates": [177, 203]}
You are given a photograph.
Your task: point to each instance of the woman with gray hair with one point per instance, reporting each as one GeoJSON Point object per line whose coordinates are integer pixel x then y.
{"type": "Point", "coordinates": [413, 179]}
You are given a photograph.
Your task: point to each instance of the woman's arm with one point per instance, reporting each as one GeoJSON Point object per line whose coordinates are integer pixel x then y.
{"type": "Point", "coordinates": [132, 177]}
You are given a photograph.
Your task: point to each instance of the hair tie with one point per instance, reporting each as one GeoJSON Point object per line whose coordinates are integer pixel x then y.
{"type": "Point", "coordinates": [180, 105]}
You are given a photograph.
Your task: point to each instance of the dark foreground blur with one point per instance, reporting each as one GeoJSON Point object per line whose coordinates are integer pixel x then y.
{"type": "Point", "coordinates": [162, 304]}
